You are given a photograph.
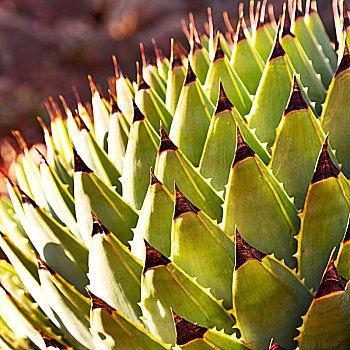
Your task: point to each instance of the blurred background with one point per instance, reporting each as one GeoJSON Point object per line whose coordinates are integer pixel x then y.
{"type": "Point", "coordinates": [46, 46]}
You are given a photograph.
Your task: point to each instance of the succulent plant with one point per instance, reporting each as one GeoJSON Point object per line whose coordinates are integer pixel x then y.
{"type": "Point", "coordinates": [228, 229]}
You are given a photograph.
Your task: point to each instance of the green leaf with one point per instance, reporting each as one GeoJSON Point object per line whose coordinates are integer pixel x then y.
{"type": "Point", "coordinates": [202, 249]}
{"type": "Point", "coordinates": [172, 165]}
{"type": "Point", "coordinates": [114, 273]}
{"type": "Point", "coordinates": [155, 220]}
{"type": "Point", "coordinates": [140, 155]}
{"type": "Point", "coordinates": [164, 286]}
{"type": "Point", "coordinates": [342, 262]}
{"type": "Point", "coordinates": [263, 41]}
{"type": "Point", "coordinates": [269, 299]}
{"type": "Point", "coordinates": [199, 60]}
{"type": "Point", "coordinates": [113, 330]}
{"type": "Point", "coordinates": [191, 119]}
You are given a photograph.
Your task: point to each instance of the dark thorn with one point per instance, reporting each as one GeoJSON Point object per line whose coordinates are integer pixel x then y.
{"type": "Point", "coordinates": [331, 282]}
{"type": "Point", "coordinates": [138, 115]}
{"type": "Point", "coordinates": [2, 234]}
{"type": "Point", "coordinates": [187, 331]}
{"type": "Point", "coordinates": [176, 61]}
{"type": "Point", "coordinates": [286, 28]}
{"type": "Point", "coordinates": [245, 252]}
{"type": "Point", "coordinates": [154, 258]}
{"type": "Point", "coordinates": [51, 343]}
{"type": "Point", "coordinates": [325, 168]}
{"type": "Point", "coordinates": [243, 151]}
{"type": "Point", "coordinates": [154, 180]}
{"type": "Point", "coordinates": [79, 165]}
{"type": "Point", "coordinates": [275, 346]}
{"type": "Point", "coordinates": [27, 200]}
{"type": "Point", "coordinates": [345, 61]}
{"type": "Point", "coordinates": [183, 205]}
{"type": "Point", "coordinates": [219, 53]}
{"type": "Point", "coordinates": [277, 50]}
{"type": "Point", "coordinates": [298, 14]}
{"type": "Point", "coordinates": [224, 103]}
{"type": "Point", "coordinates": [296, 100]}
{"type": "Point", "coordinates": [82, 125]}
{"type": "Point", "coordinates": [42, 265]}
{"type": "Point", "coordinates": [190, 76]}
{"type": "Point", "coordinates": [97, 227]}
{"type": "Point", "coordinates": [98, 303]}
{"type": "Point", "coordinates": [165, 143]}
{"type": "Point", "coordinates": [113, 103]}
{"type": "Point", "coordinates": [141, 83]}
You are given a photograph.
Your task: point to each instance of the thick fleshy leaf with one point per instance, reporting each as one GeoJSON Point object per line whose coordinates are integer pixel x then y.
{"type": "Point", "coordinates": [193, 337]}
{"type": "Point", "coordinates": [193, 232]}
{"type": "Point", "coordinates": [263, 41]}
{"type": "Point", "coordinates": [199, 60]}
{"type": "Point", "coordinates": [259, 207]}
{"type": "Point", "coordinates": [191, 119]}
{"type": "Point", "coordinates": [140, 155]}
{"type": "Point", "coordinates": [259, 279]}
{"type": "Point", "coordinates": [113, 330]}
{"type": "Point", "coordinates": [271, 96]}
{"type": "Point", "coordinates": [245, 60]}
{"type": "Point", "coordinates": [312, 48]}
{"type": "Point", "coordinates": [295, 151]}
{"type": "Point", "coordinates": [323, 220]}
{"type": "Point", "coordinates": [303, 66]}
{"type": "Point", "coordinates": [165, 286]}
{"type": "Point", "coordinates": [326, 324]}
{"type": "Point", "coordinates": [92, 194]}
{"type": "Point", "coordinates": [155, 220]}
{"type": "Point", "coordinates": [343, 259]}
{"type": "Point", "coordinates": [234, 87]}
{"type": "Point", "coordinates": [114, 273]}
{"type": "Point", "coordinates": [172, 165]}
{"type": "Point", "coordinates": [336, 112]}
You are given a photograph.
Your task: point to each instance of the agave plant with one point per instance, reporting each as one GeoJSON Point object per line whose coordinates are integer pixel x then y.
{"type": "Point", "coordinates": [228, 229]}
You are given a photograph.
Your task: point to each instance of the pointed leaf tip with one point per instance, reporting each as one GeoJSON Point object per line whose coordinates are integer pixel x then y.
{"type": "Point", "coordinates": [27, 200]}
{"type": "Point", "coordinates": [141, 83]}
{"type": "Point", "coordinates": [154, 179]}
{"type": "Point", "coordinates": [275, 346]}
{"type": "Point", "coordinates": [277, 50]}
{"type": "Point", "coordinates": [325, 168]}
{"type": "Point", "coordinates": [183, 205]}
{"type": "Point", "coordinates": [224, 103]}
{"type": "Point", "coordinates": [113, 103]}
{"type": "Point", "coordinates": [331, 282]}
{"type": "Point", "coordinates": [345, 61]}
{"type": "Point", "coordinates": [219, 53]}
{"type": "Point", "coordinates": [298, 13]}
{"type": "Point", "coordinates": [243, 150]}
{"type": "Point", "coordinates": [79, 165]}
{"type": "Point", "coordinates": [296, 100]}
{"type": "Point", "coordinates": [187, 331]}
{"type": "Point", "coordinates": [138, 115]}
{"type": "Point", "coordinates": [97, 227]}
{"type": "Point", "coordinates": [240, 31]}
{"type": "Point", "coordinates": [190, 76]}
{"type": "Point", "coordinates": [165, 143]}
{"type": "Point", "coordinates": [245, 251]}
{"type": "Point", "coordinates": [154, 258]}
{"type": "Point", "coordinates": [98, 303]}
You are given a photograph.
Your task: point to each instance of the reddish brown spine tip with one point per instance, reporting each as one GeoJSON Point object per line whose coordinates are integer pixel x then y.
{"type": "Point", "coordinates": [79, 165]}
{"type": "Point", "coordinates": [97, 227]}
{"type": "Point", "coordinates": [138, 115]}
{"type": "Point", "coordinates": [245, 252]}
{"type": "Point", "coordinates": [331, 282]}
{"type": "Point", "coordinates": [154, 258]}
{"type": "Point", "coordinates": [42, 265]}
{"type": "Point", "coordinates": [325, 168]}
{"type": "Point", "coordinates": [187, 331]}
{"type": "Point", "coordinates": [27, 200]}
{"type": "Point", "coordinates": [165, 143]}
{"type": "Point", "coordinates": [219, 53]}
{"type": "Point", "coordinates": [345, 61]}
{"type": "Point", "coordinates": [190, 76]}
{"type": "Point", "coordinates": [154, 180]}
{"type": "Point", "coordinates": [347, 233]}
{"type": "Point", "coordinates": [243, 151]}
{"type": "Point", "coordinates": [277, 50]}
{"type": "Point", "coordinates": [275, 346]}
{"type": "Point", "coordinates": [296, 100]}
{"type": "Point", "coordinates": [92, 85]}
{"type": "Point", "coordinates": [224, 103]}
{"type": "Point", "coordinates": [183, 205]}
{"type": "Point", "coordinates": [98, 303]}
